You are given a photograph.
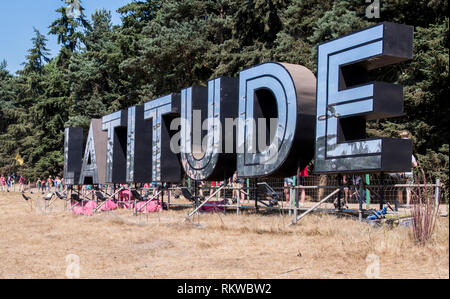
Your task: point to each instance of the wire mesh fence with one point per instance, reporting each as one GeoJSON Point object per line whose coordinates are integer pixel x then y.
{"type": "Point", "coordinates": [278, 193]}
{"type": "Point", "coordinates": [368, 189]}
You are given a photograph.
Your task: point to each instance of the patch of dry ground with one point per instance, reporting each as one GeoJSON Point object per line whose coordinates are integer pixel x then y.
{"type": "Point", "coordinates": [118, 245]}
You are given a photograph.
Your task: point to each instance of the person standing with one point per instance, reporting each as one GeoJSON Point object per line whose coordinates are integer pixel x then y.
{"type": "Point", "coordinates": [214, 186]}
{"type": "Point", "coordinates": [237, 184]}
{"type": "Point", "coordinates": [49, 183]}
{"type": "Point", "coordinates": [22, 184]}
{"type": "Point", "coordinates": [13, 181]}
{"type": "Point", "coordinates": [146, 189]}
{"type": "Point", "coordinates": [154, 188]}
{"type": "Point", "coordinates": [8, 183]}
{"type": "Point", "coordinates": [57, 184]}
{"type": "Point", "coordinates": [302, 182]}
{"type": "Point", "coordinates": [201, 186]}
{"type": "Point", "coordinates": [288, 184]}
{"type": "Point", "coordinates": [43, 185]}
{"type": "Point", "coordinates": [38, 185]}
{"type": "Point", "coordinates": [3, 183]}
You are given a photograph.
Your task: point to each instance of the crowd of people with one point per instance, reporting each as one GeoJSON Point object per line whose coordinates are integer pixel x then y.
{"type": "Point", "coordinates": [237, 183]}
{"type": "Point", "coordinates": [18, 183]}
{"type": "Point", "coordinates": [51, 184]}
{"type": "Point", "coordinates": [8, 183]}
{"type": "Point", "coordinates": [289, 183]}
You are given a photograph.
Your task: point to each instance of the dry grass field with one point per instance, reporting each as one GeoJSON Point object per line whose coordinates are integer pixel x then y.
{"type": "Point", "coordinates": [119, 245]}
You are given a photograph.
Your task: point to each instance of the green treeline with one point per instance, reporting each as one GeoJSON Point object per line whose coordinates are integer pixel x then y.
{"type": "Point", "coordinates": [164, 46]}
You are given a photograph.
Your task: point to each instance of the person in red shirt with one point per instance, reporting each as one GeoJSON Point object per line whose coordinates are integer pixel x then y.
{"type": "Point", "coordinates": [2, 183]}
{"type": "Point", "coordinates": [146, 189]}
{"type": "Point", "coordinates": [214, 186]}
{"type": "Point", "coordinates": [22, 183]}
{"type": "Point", "coordinates": [302, 175]}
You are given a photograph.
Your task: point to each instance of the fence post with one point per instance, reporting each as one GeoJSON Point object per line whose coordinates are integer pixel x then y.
{"type": "Point", "coordinates": [162, 195]}
{"type": "Point", "coordinates": [292, 197]}
{"type": "Point", "coordinates": [248, 192]}
{"type": "Point", "coordinates": [339, 195]}
{"type": "Point", "coordinates": [361, 191]}
{"type": "Point", "coordinates": [168, 198]}
{"type": "Point", "coordinates": [196, 192]}
{"type": "Point", "coordinates": [217, 186]}
{"type": "Point", "coordinates": [238, 201]}
{"type": "Point", "coordinates": [129, 200]}
{"type": "Point", "coordinates": [382, 191]}
{"type": "Point", "coordinates": [437, 193]}
{"type": "Point", "coordinates": [367, 192]}
{"type": "Point", "coordinates": [296, 210]}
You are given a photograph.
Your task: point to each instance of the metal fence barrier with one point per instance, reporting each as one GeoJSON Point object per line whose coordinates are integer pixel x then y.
{"type": "Point", "coordinates": [361, 190]}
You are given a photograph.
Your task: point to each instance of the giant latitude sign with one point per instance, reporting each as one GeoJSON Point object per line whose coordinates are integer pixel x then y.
{"type": "Point", "coordinates": [208, 132]}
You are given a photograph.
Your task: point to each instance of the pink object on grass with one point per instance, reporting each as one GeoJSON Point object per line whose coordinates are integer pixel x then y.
{"type": "Point", "coordinates": [213, 208]}
{"type": "Point", "coordinates": [91, 204]}
{"type": "Point", "coordinates": [109, 205]}
{"type": "Point", "coordinates": [82, 211]}
{"type": "Point", "coordinates": [151, 207]}
{"type": "Point", "coordinates": [77, 210]}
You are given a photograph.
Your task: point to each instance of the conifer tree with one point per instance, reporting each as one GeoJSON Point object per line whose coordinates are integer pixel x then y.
{"type": "Point", "coordinates": [67, 28]}
{"type": "Point", "coordinates": [38, 55]}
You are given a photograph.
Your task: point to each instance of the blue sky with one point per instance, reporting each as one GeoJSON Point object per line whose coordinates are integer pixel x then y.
{"type": "Point", "coordinates": [18, 17]}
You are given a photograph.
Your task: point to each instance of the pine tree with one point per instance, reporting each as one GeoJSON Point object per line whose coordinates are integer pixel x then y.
{"type": "Point", "coordinates": [38, 55]}
{"type": "Point", "coordinates": [67, 28]}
